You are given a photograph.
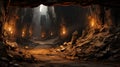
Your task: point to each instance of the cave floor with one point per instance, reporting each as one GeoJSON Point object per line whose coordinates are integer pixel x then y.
{"type": "Point", "coordinates": [48, 57]}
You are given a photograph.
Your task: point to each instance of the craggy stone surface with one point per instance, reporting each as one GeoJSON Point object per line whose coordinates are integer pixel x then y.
{"type": "Point", "coordinates": [100, 44]}
{"type": "Point", "coordinates": [34, 3]}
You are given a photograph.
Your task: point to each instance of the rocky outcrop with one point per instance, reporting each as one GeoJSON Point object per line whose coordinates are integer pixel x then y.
{"type": "Point", "coordinates": [100, 44]}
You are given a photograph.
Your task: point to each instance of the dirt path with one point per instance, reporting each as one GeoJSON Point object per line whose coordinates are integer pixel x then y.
{"type": "Point", "coordinates": [50, 58]}
{"type": "Point", "coordinates": [45, 57]}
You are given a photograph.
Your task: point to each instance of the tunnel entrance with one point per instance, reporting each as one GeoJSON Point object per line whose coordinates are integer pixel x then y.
{"type": "Point", "coordinates": [43, 25]}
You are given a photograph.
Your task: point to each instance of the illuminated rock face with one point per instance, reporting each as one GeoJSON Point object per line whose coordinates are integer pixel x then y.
{"type": "Point", "coordinates": [97, 41]}
{"type": "Point", "coordinates": [43, 20]}
{"type": "Point", "coordinates": [43, 9]}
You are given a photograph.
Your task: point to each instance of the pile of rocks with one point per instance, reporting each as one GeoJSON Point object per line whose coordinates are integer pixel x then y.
{"type": "Point", "coordinates": [94, 44]}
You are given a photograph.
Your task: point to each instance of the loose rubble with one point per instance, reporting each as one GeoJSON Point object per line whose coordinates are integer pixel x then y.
{"type": "Point", "coordinates": [99, 44]}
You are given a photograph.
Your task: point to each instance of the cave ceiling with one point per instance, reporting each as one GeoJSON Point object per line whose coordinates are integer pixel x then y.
{"type": "Point", "coordinates": [35, 3]}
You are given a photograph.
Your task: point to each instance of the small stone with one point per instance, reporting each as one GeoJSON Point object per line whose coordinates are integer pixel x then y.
{"type": "Point", "coordinates": [65, 43]}
{"type": "Point", "coordinates": [85, 59]}
{"type": "Point", "coordinates": [16, 65]}
{"type": "Point", "coordinates": [58, 50]}
{"type": "Point", "coordinates": [26, 47]}
{"type": "Point", "coordinates": [10, 55]}
{"type": "Point", "coordinates": [116, 37]}
{"type": "Point", "coordinates": [4, 59]}
{"type": "Point", "coordinates": [10, 62]}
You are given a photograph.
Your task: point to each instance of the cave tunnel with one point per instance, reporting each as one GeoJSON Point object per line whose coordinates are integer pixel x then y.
{"type": "Point", "coordinates": [55, 33]}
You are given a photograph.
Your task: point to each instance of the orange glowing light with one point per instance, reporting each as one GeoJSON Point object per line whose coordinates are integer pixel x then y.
{"type": "Point", "coordinates": [9, 28]}
{"type": "Point", "coordinates": [23, 32]}
{"type": "Point", "coordinates": [43, 34]}
{"type": "Point", "coordinates": [92, 22]}
{"type": "Point", "coordinates": [63, 30]}
{"type": "Point", "coordinates": [11, 32]}
{"type": "Point", "coordinates": [30, 32]}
